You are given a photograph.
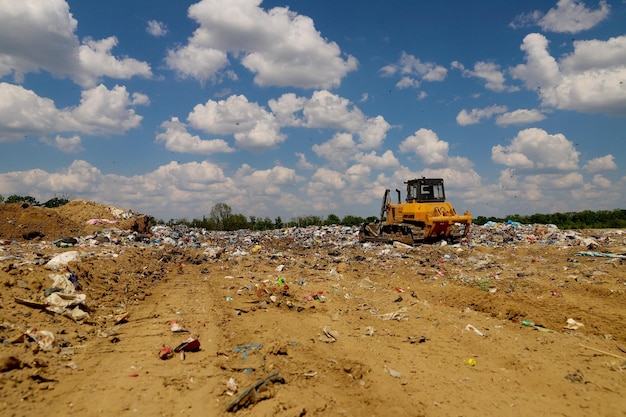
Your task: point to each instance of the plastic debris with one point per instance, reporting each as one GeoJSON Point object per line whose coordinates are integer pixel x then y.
{"type": "Point", "coordinates": [165, 353]}
{"type": "Point", "coordinates": [175, 327]}
{"type": "Point", "coordinates": [470, 361]}
{"type": "Point", "coordinates": [572, 324]}
{"type": "Point", "coordinates": [192, 344]}
{"type": "Point", "coordinates": [393, 372]}
{"type": "Point", "coordinates": [329, 335]}
{"type": "Point", "coordinates": [470, 327]}
{"type": "Point", "coordinates": [63, 259]}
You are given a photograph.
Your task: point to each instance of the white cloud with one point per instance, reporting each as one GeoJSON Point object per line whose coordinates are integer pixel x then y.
{"type": "Point", "coordinates": [603, 163]}
{"type": "Point", "coordinates": [267, 181]}
{"type": "Point", "coordinates": [101, 111]}
{"type": "Point", "coordinates": [427, 146]}
{"type": "Point", "coordinates": [302, 162]}
{"type": "Point", "coordinates": [555, 181]}
{"type": "Point", "coordinates": [40, 35]}
{"type": "Point", "coordinates": [328, 178]}
{"type": "Point", "coordinates": [281, 47]}
{"type": "Point", "coordinates": [96, 61]}
{"type": "Point", "coordinates": [156, 28]}
{"type": "Point", "coordinates": [487, 71]}
{"type": "Point", "coordinates": [288, 109]}
{"type": "Point", "coordinates": [591, 79]}
{"type": "Point", "coordinates": [569, 16]}
{"type": "Point", "coordinates": [465, 118]}
{"type": "Point", "coordinates": [407, 82]}
{"type": "Point", "coordinates": [595, 54]}
{"type": "Point", "coordinates": [536, 149]}
{"type": "Point", "coordinates": [385, 161]}
{"type": "Point", "coordinates": [600, 181]}
{"type": "Point", "coordinates": [253, 127]}
{"type": "Point", "coordinates": [65, 145]}
{"type": "Point", "coordinates": [413, 71]}
{"type": "Point", "coordinates": [104, 111]}
{"type": "Point", "coordinates": [196, 62]}
{"type": "Point", "coordinates": [327, 110]}
{"type": "Point", "coordinates": [338, 150]}
{"type": "Point", "coordinates": [519, 117]}
{"type": "Point", "coordinates": [79, 177]}
{"type": "Point", "coordinates": [177, 139]}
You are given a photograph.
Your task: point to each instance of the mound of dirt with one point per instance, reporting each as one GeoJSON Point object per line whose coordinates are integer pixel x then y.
{"type": "Point", "coordinates": [24, 222]}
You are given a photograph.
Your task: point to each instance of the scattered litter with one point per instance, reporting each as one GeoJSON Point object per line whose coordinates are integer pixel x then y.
{"type": "Point", "coordinates": [175, 327]}
{"type": "Point", "coordinates": [100, 221]}
{"type": "Point", "coordinates": [165, 353]}
{"type": "Point", "coordinates": [572, 324]}
{"type": "Point", "coordinates": [600, 255]}
{"type": "Point", "coordinates": [604, 352]}
{"type": "Point", "coordinates": [63, 259]}
{"type": "Point", "coordinates": [192, 344]}
{"type": "Point", "coordinates": [470, 327]}
{"type": "Point", "coordinates": [399, 315]}
{"type": "Point", "coordinates": [231, 385]}
{"type": "Point", "coordinates": [470, 361]}
{"type": "Point", "coordinates": [393, 372]}
{"type": "Point", "coordinates": [246, 350]}
{"type": "Point", "coordinates": [329, 335]}
{"type": "Point", "coordinates": [255, 392]}
{"type": "Point", "coordinates": [44, 338]}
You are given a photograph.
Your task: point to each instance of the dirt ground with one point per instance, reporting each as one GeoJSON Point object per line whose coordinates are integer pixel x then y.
{"type": "Point", "coordinates": [291, 329]}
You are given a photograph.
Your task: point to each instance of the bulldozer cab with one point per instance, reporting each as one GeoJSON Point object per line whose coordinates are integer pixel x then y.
{"type": "Point", "coordinates": [425, 190]}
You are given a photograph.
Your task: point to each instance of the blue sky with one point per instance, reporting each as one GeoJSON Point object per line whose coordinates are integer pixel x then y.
{"type": "Point", "coordinates": [293, 108]}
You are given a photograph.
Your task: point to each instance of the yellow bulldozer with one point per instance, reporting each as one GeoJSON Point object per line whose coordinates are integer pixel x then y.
{"type": "Point", "coordinates": [425, 216]}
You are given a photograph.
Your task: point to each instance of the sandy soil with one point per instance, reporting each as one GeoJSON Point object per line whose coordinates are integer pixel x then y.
{"type": "Point", "coordinates": [308, 329]}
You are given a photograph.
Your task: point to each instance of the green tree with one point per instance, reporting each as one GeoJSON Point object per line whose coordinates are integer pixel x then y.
{"type": "Point", "coordinates": [22, 199]}
{"type": "Point", "coordinates": [351, 220]}
{"type": "Point", "coordinates": [56, 202]}
{"type": "Point", "coordinates": [220, 214]}
{"type": "Point", "coordinates": [278, 222]}
{"type": "Point", "coordinates": [332, 219]}
{"type": "Point", "coordinates": [235, 222]}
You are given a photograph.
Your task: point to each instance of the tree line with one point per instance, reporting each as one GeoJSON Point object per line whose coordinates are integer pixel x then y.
{"type": "Point", "coordinates": [587, 219]}
{"type": "Point", "coordinates": [221, 217]}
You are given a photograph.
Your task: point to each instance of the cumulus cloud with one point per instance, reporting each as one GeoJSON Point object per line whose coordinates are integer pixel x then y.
{"type": "Point", "coordinates": [100, 112]}
{"type": "Point", "coordinates": [427, 146]}
{"type": "Point", "coordinates": [302, 161]}
{"type": "Point", "coordinates": [178, 139]}
{"type": "Point", "coordinates": [281, 47]}
{"type": "Point", "coordinates": [603, 163]}
{"type": "Point", "coordinates": [156, 28]}
{"type": "Point", "coordinates": [600, 181]}
{"type": "Point", "coordinates": [41, 36]}
{"type": "Point", "coordinates": [413, 71]}
{"type": "Point", "coordinates": [385, 161]}
{"type": "Point", "coordinates": [65, 145]}
{"type": "Point", "coordinates": [338, 150]}
{"type": "Point", "coordinates": [474, 116]}
{"type": "Point", "coordinates": [537, 149]}
{"type": "Point", "coordinates": [520, 117]}
{"type": "Point", "coordinates": [252, 126]}
{"type": "Point", "coordinates": [267, 181]}
{"type": "Point", "coordinates": [104, 111]}
{"type": "Point", "coordinates": [569, 16]}
{"type": "Point", "coordinates": [590, 79]}
{"type": "Point", "coordinates": [327, 110]}
{"type": "Point", "coordinates": [489, 72]}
